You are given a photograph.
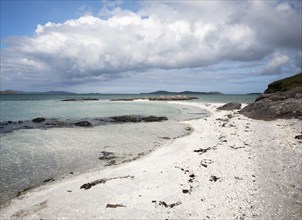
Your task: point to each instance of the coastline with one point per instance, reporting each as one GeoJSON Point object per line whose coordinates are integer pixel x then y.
{"type": "Point", "coordinates": [242, 168]}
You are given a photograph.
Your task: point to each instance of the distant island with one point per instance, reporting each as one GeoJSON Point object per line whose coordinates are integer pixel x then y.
{"type": "Point", "coordinates": [163, 92]}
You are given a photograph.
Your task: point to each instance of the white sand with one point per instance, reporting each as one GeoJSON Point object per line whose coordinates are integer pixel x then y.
{"type": "Point", "coordinates": [258, 164]}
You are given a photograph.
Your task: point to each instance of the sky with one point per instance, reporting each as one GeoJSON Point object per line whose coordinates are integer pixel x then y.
{"type": "Point", "coordinates": [133, 46]}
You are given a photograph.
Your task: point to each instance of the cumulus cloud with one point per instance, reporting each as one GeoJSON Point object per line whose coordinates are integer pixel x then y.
{"type": "Point", "coordinates": [275, 64]}
{"type": "Point", "coordinates": [161, 35]}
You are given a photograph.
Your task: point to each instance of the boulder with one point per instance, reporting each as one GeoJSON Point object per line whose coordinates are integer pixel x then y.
{"type": "Point", "coordinates": [230, 106]}
{"type": "Point", "coordinates": [282, 100]}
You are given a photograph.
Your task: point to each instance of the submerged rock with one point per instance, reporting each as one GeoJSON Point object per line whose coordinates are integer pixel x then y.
{"type": "Point", "coordinates": [133, 118]}
{"type": "Point", "coordinates": [81, 99]}
{"type": "Point", "coordinates": [230, 106]}
{"type": "Point", "coordinates": [154, 118]}
{"type": "Point", "coordinates": [282, 99]}
{"type": "Point", "coordinates": [83, 124]}
{"type": "Point", "coordinates": [38, 120]}
{"type": "Point", "coordinates": [127, 118]}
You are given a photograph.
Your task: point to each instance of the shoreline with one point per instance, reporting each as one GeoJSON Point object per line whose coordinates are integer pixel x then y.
{"type": "Point", "coordinates": [245, 169]}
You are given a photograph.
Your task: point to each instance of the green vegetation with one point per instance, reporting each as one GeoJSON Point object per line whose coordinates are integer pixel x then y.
{"type": "Point", "coordinates": [285, 84]}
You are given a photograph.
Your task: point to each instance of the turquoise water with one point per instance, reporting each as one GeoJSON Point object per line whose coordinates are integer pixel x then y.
{"type": "Point", "coordinates": [30, 156]}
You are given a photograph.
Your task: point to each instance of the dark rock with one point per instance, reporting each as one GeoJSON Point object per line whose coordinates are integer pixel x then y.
{"type": "Point", "coordinates": [38, 120]}
{"type": "Point", "coordinates": [20, 122]}
{"type": "Point", "coordinates": [127, 118]}
{"type": "Point", "coordinates": [279, 105]}
{"type": "Point", "coordinates": [83, 124]}
{"type": "Point", "coordinates": [9, 122]}
{"type": "Point", "coordinates": [282, 100]}
{"type": "Point", "coordinates": [185, 191]}
{"type": "Point", "coordinates": [230, 106]}
{"type": "Point", "coordinates": [132, 118]}
{"type": "Point", "coordinates": [299, 137]}
{"type": "Point", "coordinates": [154, 118]}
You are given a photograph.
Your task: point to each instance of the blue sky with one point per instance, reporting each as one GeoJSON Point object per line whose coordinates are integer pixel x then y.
{"type": "Point", "coordinates": [141, 46]}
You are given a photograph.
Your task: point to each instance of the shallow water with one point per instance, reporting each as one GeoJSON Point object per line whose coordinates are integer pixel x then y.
{"type": "Point", "coordinates": [30, 156]}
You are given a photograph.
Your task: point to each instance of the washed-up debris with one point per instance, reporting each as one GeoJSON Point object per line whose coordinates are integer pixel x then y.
{"type": "Point", "coordinates": [107, 155]}
{"type": "Point", "coordinates": [114, 205]}
{"type": "Point", "coordinates": [102, 181]}
{"type": "Point", "coordinates": [206, 162]}
{"type": "Point", "coordinates": [164, 204]}
{"type": "Point", "coordinates": [182, 169]}
{"type": "Point", "coordinates": [185, 191]}
{"type": "Point", "coordinates": [214, 178]}
{"type": "Point", "coordinates": [49, 180]}
{"type": "Point", "coordinates": [233, 147]}
{"type": "Point", "coordinates": [201, 150]}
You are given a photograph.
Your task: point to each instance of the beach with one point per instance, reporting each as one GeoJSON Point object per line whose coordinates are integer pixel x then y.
{"type": "Point", "coordinates": [229, 167]}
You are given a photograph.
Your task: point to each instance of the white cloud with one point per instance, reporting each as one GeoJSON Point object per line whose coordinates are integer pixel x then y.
{"type": "Point", "coordinates": [181, 34]}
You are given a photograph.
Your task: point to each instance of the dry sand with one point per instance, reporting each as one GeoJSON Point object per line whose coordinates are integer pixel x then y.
{"type": "Point", "coordinates": [243, 168]}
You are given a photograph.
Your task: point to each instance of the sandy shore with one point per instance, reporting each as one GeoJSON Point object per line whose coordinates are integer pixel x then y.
{"type": "Point", "coordinates": [230, 167]}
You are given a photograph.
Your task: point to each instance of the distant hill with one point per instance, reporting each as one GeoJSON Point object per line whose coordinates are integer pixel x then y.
{"type": "Point", "coordinates": [162, 92]}
{"type": "Point", "coordinates": [57, 92]}
{"type": "Point", "coordinates": [6, 92]}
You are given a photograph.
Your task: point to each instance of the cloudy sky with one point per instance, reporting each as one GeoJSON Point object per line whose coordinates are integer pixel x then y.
{"type": "Point", "coordinates": [139, 46]}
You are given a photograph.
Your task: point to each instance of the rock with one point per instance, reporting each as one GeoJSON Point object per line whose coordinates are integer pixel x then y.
{"type": "Point", "coordinates": [132, 118]}
{"type": "Point", "coordinates": [185, 191]}
{"type": "Point", "coordinates": [127, 118]}
{"type": "Point", "coordinates": [281, 100]}
{"type": "Point", "coordinates": [154, 118]}
{"type": "Point", "coordinates": [230, 106]}
{"type": "Point", "coordinates": [38, 120]}
{"type": "Point", "coordinates": [278, 105]}
{"type": "Point", "coordinates": [83, 124]}
{"type": "Point", "coordinates": [299, 137]}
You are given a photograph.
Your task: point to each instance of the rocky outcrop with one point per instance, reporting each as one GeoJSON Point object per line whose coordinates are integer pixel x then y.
{"type": "Point", "coordinates": [133, 118]}
{"type": "Point", "coordinates": [282, 100]}
{"type": "Point", "coordinates": [230, 106]}
{"type": "Point", "coordinates": [160, 98]}
{"type": "Point", "coordinates": [46, 123]}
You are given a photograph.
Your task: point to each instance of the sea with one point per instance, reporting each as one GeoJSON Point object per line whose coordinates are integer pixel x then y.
{"type": "Point", "coordinates": [32, 157]}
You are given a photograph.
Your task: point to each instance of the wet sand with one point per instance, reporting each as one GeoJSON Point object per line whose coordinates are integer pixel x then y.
{"type": "Point", "coordinates": [229, 167]}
